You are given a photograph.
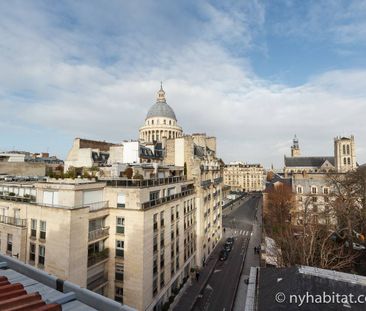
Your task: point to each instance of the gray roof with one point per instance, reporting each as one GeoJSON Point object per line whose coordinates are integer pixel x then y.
{"type": "Point", "coordinates": [307, 161]}
{"type": "Point", "coordinates": [302, 279]}
{"type": "Point", "coordinates": [161, 109]}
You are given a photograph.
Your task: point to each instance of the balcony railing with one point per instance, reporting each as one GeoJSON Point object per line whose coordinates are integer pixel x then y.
{"type": "Point", "coordinates": [94, 258]}
{"type": "Point", "coordinates": [97, 205]}
{"type": "Point", "coordinates": [218, 180]}
{"type": "Point", "coordinates": [17, 198]}
{"type": "Point", "coordinates": [18, 222]}
{"type": "Point", "coordinates": [92, 206]}
{"type": "Point", "coordinates": [98, 233]}
{"type": "Point", "coordinates": [144, 183]}
{"type": "Point", "coordinates": [97, 280]}
{"type": "Point", "coordinates": [166, 199]}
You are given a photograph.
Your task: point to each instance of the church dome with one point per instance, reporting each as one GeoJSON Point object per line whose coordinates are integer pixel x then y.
{"type": "Point", "coordinates": [161, 108]}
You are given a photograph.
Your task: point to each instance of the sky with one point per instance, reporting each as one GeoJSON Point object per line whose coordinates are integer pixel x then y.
{"type": "Point", "coordinates": [252, 73]}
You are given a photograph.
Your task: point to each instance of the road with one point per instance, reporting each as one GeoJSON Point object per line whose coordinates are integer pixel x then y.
{"type": "Point", "coordinates": [219, 293]}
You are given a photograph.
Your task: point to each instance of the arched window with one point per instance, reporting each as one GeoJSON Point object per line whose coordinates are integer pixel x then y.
{"type": "Point", "coordinates": [152, 122]}
{"type": "Point", "coordinates": [164, 121]}
{"type": "Point", "coordinates": [348, 151]}
{"type": "Point", "coordinates": [349, 161]}
{"type": "Point", "coordinates": [344, 161]}
{"type": "Point", "coordinates": [170, 122]}
{"type": "Point", "coordinates": [344, 149]}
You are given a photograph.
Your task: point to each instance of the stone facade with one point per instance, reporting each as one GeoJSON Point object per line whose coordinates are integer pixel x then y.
{"type": "Point", "coordinates": [244, 177]}
{"type": "Point", "coordinates": [131, 240]}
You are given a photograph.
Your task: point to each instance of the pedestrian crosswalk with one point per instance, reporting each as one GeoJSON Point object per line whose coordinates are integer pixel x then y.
{"type": "Point", "coordinates": [242, 232]}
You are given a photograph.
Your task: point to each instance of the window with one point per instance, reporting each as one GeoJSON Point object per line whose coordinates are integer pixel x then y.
{"type": "Point", "coordinates": [154, 195]}
{"type": "Point", "coordinates": [121, 200]}
{"type": "Point", "coordinates": [42, 230]}
{"type": "Point", "coordinates": [344, 149]}
{"type": "Point", "coordinates": [314, 190]}
{"type": "Point", "coordinates": [155, 243]}
{"type": "Point", "coordinates": [120, 248]}
{"type": "Point", "coordinates": [120, 269]}
{"type": "Point", "coordinates": [326, 199]}
{"type": "Point", "coordinates": [349, 161]}
{"type": "Point", "coordinates": [120, 227]}
{"type": "Point", "coordinates": [299, 189]}
{"type": "Point", "coordinates": [9, 246]}
{"type": "Point", "coordinates": [344, 161]}
{"type": "Point", "coordinates": [155, 220]}
{"type": "Point", "coordinates": [33, 228]}
{"type": "Point", "coordinates": [348, 151]}
{"type": "Point", "coordinates": [326, 191]}
{"type": "Point", "coordinates": [314, 199]}
{"type": "Point", "coordinates": [155, 287]}
{"type": "Point", "coordinates": [162, 219]}
{"type": "Point", "coordinates": [162, 281]}
{"type": "Point", "coordinates": [41, 255]}
{"type": "Point", "coordinates": [118, 294]}
{"type": "Point", "coordinates": [32, 252]}
{"type": "Point", "coordinates": [172, 214]}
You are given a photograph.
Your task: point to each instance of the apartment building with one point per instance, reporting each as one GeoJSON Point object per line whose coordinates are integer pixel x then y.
{"type": "Point", "coordinates": [244, 177]}
{"type": "Point", "coordinates": [197, 154]}
{"type": "Point", "coordinates": [132, 240]}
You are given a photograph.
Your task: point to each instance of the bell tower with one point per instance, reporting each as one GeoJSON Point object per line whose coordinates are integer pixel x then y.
{"type": "Point", "coordinates": [344, 154]}
{"type": "Point", "coordinates": [295, 148]}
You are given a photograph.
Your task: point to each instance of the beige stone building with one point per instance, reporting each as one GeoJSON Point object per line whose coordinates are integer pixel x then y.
{"type": "Point", "coordinates": [135, 233]}
{"type": "Point", "coordinates": [310, 180]}
{"type": "Point", "coordinates": [197, 154]}
{"type": "Point", "coordinates": [131, 240]}
{"type": "Point", "coordinates": [244, 177]}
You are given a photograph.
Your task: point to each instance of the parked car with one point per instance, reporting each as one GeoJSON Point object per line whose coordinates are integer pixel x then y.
{"type": "Point", "coordinates": [227, 247]}
{"type": "Point", "coordinates": [230, 241]}
{"type": "Point", "coordinates": [223, 255]}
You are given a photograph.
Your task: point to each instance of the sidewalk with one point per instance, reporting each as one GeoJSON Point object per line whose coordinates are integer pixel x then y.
{"type": "Point", "coordinates": [189, 297]}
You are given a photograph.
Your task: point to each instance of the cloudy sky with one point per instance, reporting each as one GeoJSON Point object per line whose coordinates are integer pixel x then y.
{"type": "Point", "coordinates": [252, 73]}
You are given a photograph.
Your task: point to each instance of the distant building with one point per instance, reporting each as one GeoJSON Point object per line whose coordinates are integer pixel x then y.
{"type": "Point", "coordinates": [160, 122]}
{"type": "Point", "coordinates": [310, 177]}
{"type": "Point", "coordinates": [22, 163]}
{"type": "Point", "coordinates": [244, 177]}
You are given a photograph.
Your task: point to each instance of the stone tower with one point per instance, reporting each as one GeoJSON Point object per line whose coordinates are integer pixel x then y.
{"type": "Point", "coordinates": [295, 148]}
{"type": "Point", "coordinates": [344, 154]}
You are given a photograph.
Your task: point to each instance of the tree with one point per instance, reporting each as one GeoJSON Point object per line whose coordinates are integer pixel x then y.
{"type": "Point", "coordinates": [309, 242]}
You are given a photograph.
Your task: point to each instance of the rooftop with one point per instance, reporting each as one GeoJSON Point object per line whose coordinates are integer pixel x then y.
{"type": "Point", "coordinates": [307, 161]}
{"type": "Point", "coordinates": [23, 287]}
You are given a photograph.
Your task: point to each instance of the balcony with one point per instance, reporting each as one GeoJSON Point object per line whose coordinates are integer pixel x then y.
{"type": "Point", "coordinates": [18, 222]}
{"type": "Point", "coordinates": [25, 199]}
{"type": "Point", "coordinates": [92, 206]}
{"type": "Point", "coordinates": [95, 258]}
{"type": "Point", "coordinates": [96, 205]}
{"type": "Point", "coordinates": [98, 233]}
{"type": "Point", "coordinates": [169, 198]}
{"type": "Point", "coordinates": [218, 180]}
{"type": "Point", "coordinates": [97, 281]}
{"type": "Point", "coordinates": [145, 183]}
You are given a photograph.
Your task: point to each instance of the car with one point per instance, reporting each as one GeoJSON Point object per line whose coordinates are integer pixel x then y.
{"type": "Point", "coordinates": [227, 247]}
{"type": "Point", "coordinates": [223, 255]}
{"type": "Point", "coordinates": [230, 241]}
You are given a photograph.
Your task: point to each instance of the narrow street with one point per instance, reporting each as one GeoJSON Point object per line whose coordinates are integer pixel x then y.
{"type": "Point", "coordinates": [220, 291]}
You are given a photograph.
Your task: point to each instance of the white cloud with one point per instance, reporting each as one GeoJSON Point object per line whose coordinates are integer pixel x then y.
{"type": "Point", "coordinates": [99, 81]}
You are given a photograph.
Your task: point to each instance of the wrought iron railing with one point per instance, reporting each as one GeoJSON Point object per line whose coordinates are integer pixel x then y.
{"type": "Point", "coordinates": [98, 233]}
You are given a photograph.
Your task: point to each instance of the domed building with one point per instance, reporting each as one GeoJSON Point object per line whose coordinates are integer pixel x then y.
{"type": "Point", "coordinates": [160, 121]}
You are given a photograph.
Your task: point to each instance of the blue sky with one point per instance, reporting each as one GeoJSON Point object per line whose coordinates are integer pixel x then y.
{"type": "Point", "coordinates": [251, 73]}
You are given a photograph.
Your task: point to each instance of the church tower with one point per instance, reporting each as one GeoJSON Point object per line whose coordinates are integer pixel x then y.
{"type": "Point", "coordinates": [344, 154]}
{"type": "Point", "coordinates": [295, 148]}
